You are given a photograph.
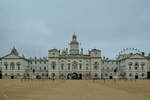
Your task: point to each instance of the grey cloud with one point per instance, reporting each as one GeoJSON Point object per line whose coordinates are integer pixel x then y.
{"type": "Point", "coordinates": [34, 26]}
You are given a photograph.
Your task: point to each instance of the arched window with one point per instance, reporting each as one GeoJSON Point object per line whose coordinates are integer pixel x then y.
{"type": "Point", "coordinates": [74, 66]}
{"type": "Point", "coordinates": [96, 65]}
{"type": "Point", "coordinates": [62, 66]}
{"type": "Point", "coordinates": [136, 66]}
{"type": "Point", "coordinates": [68, 66]}
{"type": "Point", "coordinates": [44, 68]}
{"type": "Point", "coordinates": [130, 64]}
{"type": "Point", "coordinates": [80, 66]}
{"type": "Point", "coordinates": [12, 66]}
{"type": "Point", "coordinates": [142, 66]}
{"type": "Point", "coordinates": [87, 66]}
{"type": "Point", "coordinates": [53, 65]}
{"type": "Point", "coordinates": [6, 65]}
{"type": "Point", "coordinates": [130, 75]}
{"type": "Point", "coordinates": [43, 74]}
{"type": "Point", "coordinates": [96, 75]}
{"type": "Point", "coordinates": [143, 74]}
{"type": "Point", "coordinates": [18, 65]}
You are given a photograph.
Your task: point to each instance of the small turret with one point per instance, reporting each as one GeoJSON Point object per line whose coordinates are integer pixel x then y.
{"type": "Point", "coordinates": [74, 45]}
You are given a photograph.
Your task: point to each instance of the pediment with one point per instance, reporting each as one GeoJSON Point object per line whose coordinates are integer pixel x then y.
{"type": "Point", "coordinates": [137, 56]}
{"type": "Point", "coordinates": [11, 56]}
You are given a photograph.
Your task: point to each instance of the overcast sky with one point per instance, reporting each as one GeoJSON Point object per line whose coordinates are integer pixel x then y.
{"type": "Point", "coordinates": [35, 26]}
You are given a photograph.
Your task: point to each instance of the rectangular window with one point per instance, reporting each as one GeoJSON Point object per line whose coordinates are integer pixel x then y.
{"type": "Point", "coordinates": [80, 67]}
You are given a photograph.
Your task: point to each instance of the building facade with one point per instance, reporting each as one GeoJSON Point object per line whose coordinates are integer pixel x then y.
{"type": "Point", "coordinates": [74, 64]}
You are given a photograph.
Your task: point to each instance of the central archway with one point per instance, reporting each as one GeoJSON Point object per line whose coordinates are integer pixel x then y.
{"type": "Point", "coordinates": [74, 75]}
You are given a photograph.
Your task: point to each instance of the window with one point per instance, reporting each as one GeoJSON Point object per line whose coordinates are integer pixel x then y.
{"type": "Point", "coordinates": [62, 66]}
{"type": "Point", "coordinates": [103, 62]}
{"type": "Point", "coordinates": [53, 54]}
{"type": "Point", "coordinates": [80, 66]}
{"type": "Point", "coordinates": [12, 66]}
{"type": "Point", "coordinates": [143, 75]}
{"type": "Point", "coordinates": [43, 74]}
{"type": "Point", "coordinates": [142, 65]}
{"type": "Point", "coordinates": [130, 75]}
{"type": "Point", "coordinates": [95, 53]}
{"type": "Point", "coordinates": [74, 66]}
{"type": "Point", "coordinates": [96, 66]}
{"type": "Point", "coordinates": [130, 64]}
{"type": "Point", "coordinates": [136, 64]}
{"type": "Point", "coordinates": [96, 75]}
{"type": "Point", "coordinates": [18, 65]}
{"type": "Point", "coordinates": [129, 67]}
{"type": "Point", "coordinates": [44, 68]}
{"type": "Point", "coordinates": [68, 66]}
{"type": "Point", "coordinates": [6, 65]}
{"type": "Point", "coordinates": [136, 68]}
{"type": "Point", "coordinates": [53, 65]}
{"type": "Point", "coordinates": [142, 68]}
{"type": "Point", "coordinates": [86, 66]}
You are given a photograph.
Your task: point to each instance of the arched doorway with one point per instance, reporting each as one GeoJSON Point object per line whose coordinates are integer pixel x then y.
{"type": "Point", "coordinates": [38, 77]}
{"type": "Point", "coordinates": [110, 76]}
{"type": "Point", "coordinates": [136, 76]}
{"type": "Point", "coordinates": [12, 76]}
{"type": "Point", "coordinates": [74, 76]}
{"type": "Point", "coordinates": [148, 75]}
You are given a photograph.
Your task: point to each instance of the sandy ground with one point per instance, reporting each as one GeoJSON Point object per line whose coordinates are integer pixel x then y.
{"type": "Point", "coordinates": [74, 90]}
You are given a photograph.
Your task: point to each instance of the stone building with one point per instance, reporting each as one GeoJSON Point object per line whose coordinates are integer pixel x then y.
{"type": "Point", "coordinates": [133, 66]}
{"type": "Point", "coordinates": [72, 63]}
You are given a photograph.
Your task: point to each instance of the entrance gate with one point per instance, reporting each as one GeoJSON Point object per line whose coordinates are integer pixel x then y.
{"type": "Point", "coordinates": [74, 76]}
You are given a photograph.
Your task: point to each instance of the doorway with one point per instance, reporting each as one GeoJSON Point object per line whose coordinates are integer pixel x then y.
{"type": "Point", "coordinates": [148, 75]}
{"type": "Point", "coordinates": [74, 76]}
{"type": "Point", "coordinates": [136, 76]}
{"type": "Point", "coordinates": [12, 76]}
